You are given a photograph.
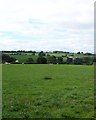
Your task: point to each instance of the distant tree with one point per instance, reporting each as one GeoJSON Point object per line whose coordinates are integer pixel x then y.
{"type": "Point", "coordinates": [48, 54]}
{"type": "Point", "coordinates": [7, 58]}
{"type": "Point", "coordinates": [78, 52]}
{"type": "Point", "coordinates": [69, 60]}
{"type": "Point", "coordinates": [58, 51]}
{"type": "Point", "coordinates": [30, 61]}
{"type": "Point", "coordinates": [88, 60]}
{"type": "Point", "coordinates": [78, 61]}
{"type": "Point", "coordinates": [33, 53]}
{"type": "Point", "coordinates": [41, 54]}
{"type": "Point", "coordinates": [51, 59]}
{"type": "Point", "coordinates": [88, 53]}
{"type": "Point", "coordinates": [41, 60]}
{"type": "Point", "coordinates": [0, 57]}
{"type": "Point", "coordinates": [12, 60]}
{"type": "Point", "coordinates": [94, 59]}
{"type": "Point", "coordinates": [48, 58]}
{"type": "Point", "coordinates": [55, 51]}
{"type": "Point", "coordinates": [59, 60]}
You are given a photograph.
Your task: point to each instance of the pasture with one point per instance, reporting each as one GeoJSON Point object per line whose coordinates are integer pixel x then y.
{"type": "Point", "coordinates": [48, 91]}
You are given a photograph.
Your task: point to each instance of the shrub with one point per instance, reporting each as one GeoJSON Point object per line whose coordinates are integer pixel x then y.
{"type": "Point", "coordinates": [41, 60]}
{"type": "Point", "coordinates": [78, 61]}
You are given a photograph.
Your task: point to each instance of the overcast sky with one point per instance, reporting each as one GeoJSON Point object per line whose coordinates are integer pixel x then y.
{"type": "Point", "coordinates": [47, 25]}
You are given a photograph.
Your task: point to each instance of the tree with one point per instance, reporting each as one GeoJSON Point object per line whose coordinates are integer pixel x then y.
{"type": "Point", "coordinates": [30, 61]}
{"type": "Point", "coordinates": [94, 59]}
{"type": "Point", "coordinates": [78, 61]}
{"type": "Point", "coordinates": [69, 60]}
{"type": "Point", "coordinates": [0, 57]}
{"type": "Point", "coordinates": [51, 59]}
{"type": "Point", "coordinates": [59, 60]}
{"type": "Point", "coordinates": [88, 60]}
{"type": "Point", "coordinates": [78, 52]}
{"type": "Point", "coordinates": [12, 60]}
{"type": "Point", "coordinates": [33, 53]}
{"type": "Point", "coordinates": [88, 53]}
{"type": "Point", "coordinates": [41, 60]}
{"type": "Point", "coordinates": [7, 58]}
{"type": "Point", "coordinates": [41, 54]}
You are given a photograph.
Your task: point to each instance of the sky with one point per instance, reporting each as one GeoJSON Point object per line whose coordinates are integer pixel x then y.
{"type": "Point", "coordinates": [47, 25]}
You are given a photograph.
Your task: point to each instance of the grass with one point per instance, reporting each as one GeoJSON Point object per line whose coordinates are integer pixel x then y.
{"type": "Point", "coordinates": [68, 92]}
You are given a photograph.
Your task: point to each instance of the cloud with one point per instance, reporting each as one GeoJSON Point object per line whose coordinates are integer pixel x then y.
{"type": "Point", "coordinates": [46, 45]}
{"type": "Point", "coordinates": [47, 25]}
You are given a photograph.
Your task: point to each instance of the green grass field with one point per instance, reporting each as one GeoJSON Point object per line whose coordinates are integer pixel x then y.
{"type": "Point", "coordinates": [48, 91]}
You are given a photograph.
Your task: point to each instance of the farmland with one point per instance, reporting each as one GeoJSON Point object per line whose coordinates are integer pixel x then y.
{"type": "Point", "coordinates": [48, 91]}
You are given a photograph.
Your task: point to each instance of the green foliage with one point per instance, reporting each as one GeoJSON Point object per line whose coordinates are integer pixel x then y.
{"type": "Point", "coordinates": [41, 54]}
{"type": "Point", "coordinates": [29, 61]}
{"type": "Point", "coordinates": [69, 60]}
{"type": "Point", "coordinates": [78, 61]}
{"type": "Point", "coordinates": [87, 60]}
{"type": "Point", "coordinates": [41, 60]}
{"type": "Point", "coordinates": [59, 60]}
{"type": "Point", "coordinates": [7, 58]}
{"type": "Point", "coordinates": [78, 52]}
{"type": "Point", "coordinates": [51, 59]}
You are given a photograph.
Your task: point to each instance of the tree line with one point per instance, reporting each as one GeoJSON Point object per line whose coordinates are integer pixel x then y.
{"type": "Point", "coordinates": [42, 58]}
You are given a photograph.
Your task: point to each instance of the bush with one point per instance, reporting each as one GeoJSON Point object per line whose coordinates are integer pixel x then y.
{"type": "Point", "coordinates": [60, 60]}
{"type": "Point", "coordinates": [88, 60]}
{"type": "Point", "coordinates": [7, 58]}
{"type": "Point", "coordinates": [78, 61]}
{"type": "Point", "coordinates": [51, 59]}
{"type": "Point", "coordinates": [41, 60]}
{"type": "Point", "coordinates": [69, 60]}
{"type": "Point", "coordinates": [29, 61]}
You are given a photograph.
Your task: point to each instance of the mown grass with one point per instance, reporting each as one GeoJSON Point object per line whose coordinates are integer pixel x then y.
{"type": "Point", "coordinates": [68, 93]}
